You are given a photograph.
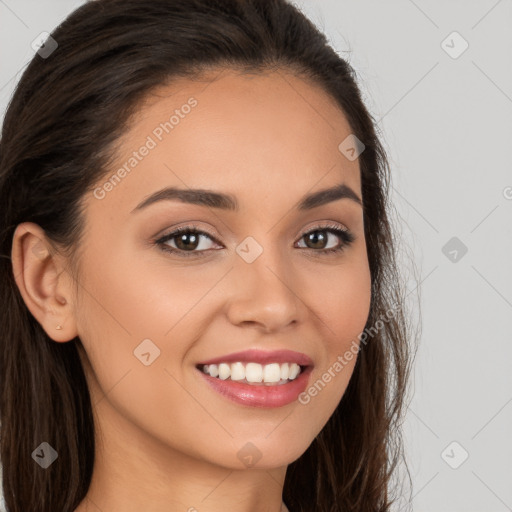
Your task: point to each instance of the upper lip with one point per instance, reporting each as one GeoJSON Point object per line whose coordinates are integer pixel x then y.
{"type": "Point", "coordinates": [262, 357]}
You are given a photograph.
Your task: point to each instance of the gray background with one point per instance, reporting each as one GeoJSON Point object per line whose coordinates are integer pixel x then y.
{"type": "Point", "coordinates": [446, 124]}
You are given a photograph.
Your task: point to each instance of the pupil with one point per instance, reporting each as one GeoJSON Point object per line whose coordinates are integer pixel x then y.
{"type": "Point", "coordinates": [187, 237]}
{"type": "Point", "coordinates": [314, 237]}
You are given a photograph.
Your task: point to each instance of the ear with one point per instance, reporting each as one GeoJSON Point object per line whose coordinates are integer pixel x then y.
{"type": "Point", "coordinates": [44, 281]}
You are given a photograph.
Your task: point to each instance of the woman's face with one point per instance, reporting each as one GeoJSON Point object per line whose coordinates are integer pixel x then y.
{"type": "Point", "coordinates": [250, 278]}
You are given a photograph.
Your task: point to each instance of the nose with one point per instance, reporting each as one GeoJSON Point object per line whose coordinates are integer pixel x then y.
{"type": "Point", "coordinates": [265, 293]}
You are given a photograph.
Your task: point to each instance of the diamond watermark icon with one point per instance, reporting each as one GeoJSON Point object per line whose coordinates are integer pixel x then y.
{"type": "Point", "coordinates": [40, 251]}
{"type": "Point", "coordinates": [249, 249]}
{"type": "Point", "coordinates": [44, 45]}
{"type": "Point", "coordinates": [454, 249]}
{"type": "Point", "coordinates": [454, 45]}
{"type": "Point", "coordinates": [249, 455]}
{"type": "Point", "coordinates": [146, 352]}
{"type": "Point", "coordinates": [351, 147]}
{"type": "Point", "coordinates": [454, 455]}
{"type": "Point", "coordinates": [44, 455]}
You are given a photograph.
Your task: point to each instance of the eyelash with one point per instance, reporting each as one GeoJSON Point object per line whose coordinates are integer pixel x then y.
{"type": "Point", "coordinates": [346, 236]}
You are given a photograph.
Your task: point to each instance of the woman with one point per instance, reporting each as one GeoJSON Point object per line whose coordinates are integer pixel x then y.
{"type": "Point", "coordinates": [202, 309]}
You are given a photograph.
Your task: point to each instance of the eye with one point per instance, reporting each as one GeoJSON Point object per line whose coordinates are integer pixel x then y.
{"type": "Point", "coordinates": [317, 236]}
{"type": "Point", "coordinates": [187, 240]}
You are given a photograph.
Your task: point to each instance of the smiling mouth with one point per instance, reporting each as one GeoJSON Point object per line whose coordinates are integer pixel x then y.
{"type": "Point", "coordinates": [273, 374]}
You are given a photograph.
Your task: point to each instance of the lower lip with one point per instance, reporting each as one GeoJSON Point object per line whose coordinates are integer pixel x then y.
{"type": "Point", "coordinates": [260, 395]}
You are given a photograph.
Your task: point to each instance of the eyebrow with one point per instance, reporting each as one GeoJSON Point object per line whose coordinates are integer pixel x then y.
{"type": "Point", "coordinates": [229, 202]}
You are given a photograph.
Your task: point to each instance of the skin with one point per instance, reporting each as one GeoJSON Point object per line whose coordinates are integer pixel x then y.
{"type": "Point", "coordinates": [164, 437]}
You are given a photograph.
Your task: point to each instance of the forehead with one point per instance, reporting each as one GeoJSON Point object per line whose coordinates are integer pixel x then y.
{"type": "Point", "coordinates": [249, 135]}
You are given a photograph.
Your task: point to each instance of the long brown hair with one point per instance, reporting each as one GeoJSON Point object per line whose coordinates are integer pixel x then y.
{"type": "Point", "coordinates": [64, 118]}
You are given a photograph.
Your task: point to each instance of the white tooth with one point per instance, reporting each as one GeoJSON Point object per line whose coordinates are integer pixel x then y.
{"type": "Point", "coordinates": [294, 371]}
{"type": "Point", "coordinates": [284, 370]}
{"type": "Point", "coordinates": [272, 372]}
{"type": "Point", "coordinates": [224, 371]}
{"type": "Point", "coordinates": [237, 371]}
{"type": "Point", "coordinates": [205, 368]}
{"type": "Point", "coordinates": [253, 372]}
{"type": "Point", "coordinates": [213, 370]}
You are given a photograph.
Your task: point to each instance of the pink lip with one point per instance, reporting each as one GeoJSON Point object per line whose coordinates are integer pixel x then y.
{"type": "Point", "coordinates": [262, 357]}
{"type": "Point", "coordinates": [260, 395]}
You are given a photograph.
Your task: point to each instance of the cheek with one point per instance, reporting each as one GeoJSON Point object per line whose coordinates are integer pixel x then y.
{"type": "Point", "coordinates": [125, 301]}
{"type": "Point", "coordinates": [129, 298]}
{"type": "Point", "coordinates": [341, 296]}
{"type": "Point", "coordinates": [341, 300]}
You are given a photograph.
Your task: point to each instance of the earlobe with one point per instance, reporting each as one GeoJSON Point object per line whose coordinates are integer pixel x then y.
{"type": "Point", "coordinates": [43, 282]}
